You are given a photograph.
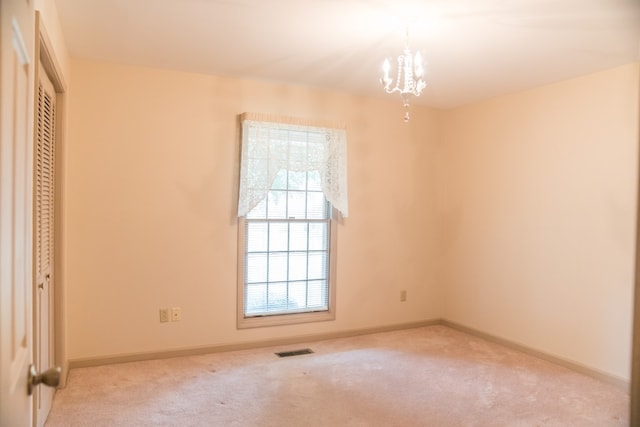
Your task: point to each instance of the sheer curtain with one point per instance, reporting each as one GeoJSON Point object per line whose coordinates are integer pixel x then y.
{"type": "Point", "coordinates": [271, 143]}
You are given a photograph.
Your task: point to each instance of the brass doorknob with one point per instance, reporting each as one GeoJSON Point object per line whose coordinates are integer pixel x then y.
{"type": "Point", "coordinates": [50, 377]}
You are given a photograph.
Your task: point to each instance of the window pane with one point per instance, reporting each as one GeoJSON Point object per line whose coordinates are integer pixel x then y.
{"type": "Point", "coordinates": [297, 205]}
{"type": "Point", "coordinates": [298, 236]}
{"type": "Point", "coordinates": [297, 180]}
{"type": "Point", "coordinates": [256, 151]}
{"type": "Point", "coordinates": [278, 236]}
{"type": "Point", "coordinates": [255, 298]}
{"type": "Point", "coordinates": [257, 236]}
{"type": "Point", "coordinates": [318, 295]}
{"type": "Point", "coordinates": [256, 268]}
{"type": "Point", "coordinates": [278, 140]}
{"type": "Point", "coordinates": [315, 150]}
{"type": "Point", "coordinates": [316, 206]}
{"type": "Point", "coordinates": [277, 204]}
{"type": "Point", "coordinates": [313, 181]}
{"type": "Point", "coordinates": [297, 149]}
{"type": "Point", "coordinates": [318, 236]}
{"type": "Point", "coordinates": [299, 137]}
{"type": "Point", "coordinates": [317, 265]}
{"type": "Point", "coordinates": [277, 296]}
{"type": "Point", "coordinates": [259, 212]}
{"type": "Point", "coordinates": [278, 267]}
{"type": "Point", "coordinates": [298, 294]}
{"type": "Point", "coordinates": [255, 164]}
{"type": "Point", "coordinates": [298, 266]}
{"type": "Point", "coordinates": [280, 183]}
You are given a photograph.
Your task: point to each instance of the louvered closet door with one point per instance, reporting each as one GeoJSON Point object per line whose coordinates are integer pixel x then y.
{"type": "Point", "coordinates": [44, 236]}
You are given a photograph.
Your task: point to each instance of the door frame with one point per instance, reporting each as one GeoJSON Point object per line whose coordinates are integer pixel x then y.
{"type": "Point", "coordinates": [635, 353]}
{"type": "Point", "coordinates": [45, 56]}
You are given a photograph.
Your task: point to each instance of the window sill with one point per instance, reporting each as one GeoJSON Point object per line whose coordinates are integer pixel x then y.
{"type": "Point", "coordinates": [284, 319]}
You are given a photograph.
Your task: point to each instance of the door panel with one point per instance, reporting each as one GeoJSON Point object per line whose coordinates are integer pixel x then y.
{"type": "Point", "coordinates": [44, 237]}
{"type": "Point", "coordinates": [16, 120]}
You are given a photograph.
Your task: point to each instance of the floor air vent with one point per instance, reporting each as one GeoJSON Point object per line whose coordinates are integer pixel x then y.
{"type": "Point", "coordinates": [294, 352]}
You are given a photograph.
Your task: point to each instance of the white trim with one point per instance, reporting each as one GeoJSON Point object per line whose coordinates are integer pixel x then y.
{"type": "Point", "coordinates": [194, 351]}
{"type": "Point", "coordinates": [299, 339]}
{"type": "Point", "coordinates": [290, 318]}
{"type": "Point", "coordinates": [574, 366]}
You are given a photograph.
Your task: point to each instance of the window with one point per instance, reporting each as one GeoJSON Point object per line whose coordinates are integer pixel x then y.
{"type": "Point", "coordinates": [287, 248]}
{"type": "Point", "coordinates": [287, 240]}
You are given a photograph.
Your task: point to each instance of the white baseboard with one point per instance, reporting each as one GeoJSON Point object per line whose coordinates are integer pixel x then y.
{"type": "Point", "coordinates": [135, 357]}
{"type": "Point", "coordinates": [192, 351]}
{"type": "Point", "coordinates": [574, 366]}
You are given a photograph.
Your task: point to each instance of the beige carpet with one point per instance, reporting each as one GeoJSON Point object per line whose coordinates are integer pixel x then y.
{"type": "Point", "coordinates": [430, 376]}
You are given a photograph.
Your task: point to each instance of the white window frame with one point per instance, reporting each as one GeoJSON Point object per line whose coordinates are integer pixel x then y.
{"type": "Point", "coordinates": [330, 162]}
{"type": "Point", "coordinates": [286, 318]}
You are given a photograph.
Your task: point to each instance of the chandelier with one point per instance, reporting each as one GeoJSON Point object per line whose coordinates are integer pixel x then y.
{"type": "Point", "coordinates": [409, 79]}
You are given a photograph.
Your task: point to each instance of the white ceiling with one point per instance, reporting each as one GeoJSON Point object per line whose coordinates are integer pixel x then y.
{"type": "Point", "coordinates": [474, 49]}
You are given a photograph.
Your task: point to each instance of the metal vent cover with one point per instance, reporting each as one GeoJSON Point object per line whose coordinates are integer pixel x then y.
{"type": "Point", "coordinates": [294, 352]}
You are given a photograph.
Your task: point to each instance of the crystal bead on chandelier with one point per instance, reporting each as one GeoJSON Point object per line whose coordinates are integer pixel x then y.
{"type": "Point", "coordinates": [409, 80]}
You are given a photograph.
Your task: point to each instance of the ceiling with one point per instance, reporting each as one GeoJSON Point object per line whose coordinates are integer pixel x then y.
{"type": "Point", "coordinates": [473, 49]}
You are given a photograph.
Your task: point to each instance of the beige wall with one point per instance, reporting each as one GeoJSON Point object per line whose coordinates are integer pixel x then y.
{"type": "Point", "coordinates": [514, 216]}
{"type": "Point", "coordinates": [537, 204]}
{"type": "Point", "coordinates": [152, 175]}
{"type": "Point", "coordinates": [49, 15]}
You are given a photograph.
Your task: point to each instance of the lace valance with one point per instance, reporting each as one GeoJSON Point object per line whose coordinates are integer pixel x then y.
{"type": "Point", "coordinates": [270, 144]}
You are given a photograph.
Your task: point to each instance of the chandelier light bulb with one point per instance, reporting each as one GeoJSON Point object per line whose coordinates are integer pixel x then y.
{"type": "Point", "coordinates": [386, 80]}
{"type": "Point", "coordinates": [418, 65]}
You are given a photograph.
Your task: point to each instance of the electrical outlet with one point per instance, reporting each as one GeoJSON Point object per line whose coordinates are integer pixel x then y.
{"type": "Point", "coordinates": [176, 314]}
{"type": "Point", "coordinates": [164, 315]}
{"type": "Point", "coordinates": [403, 296]}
